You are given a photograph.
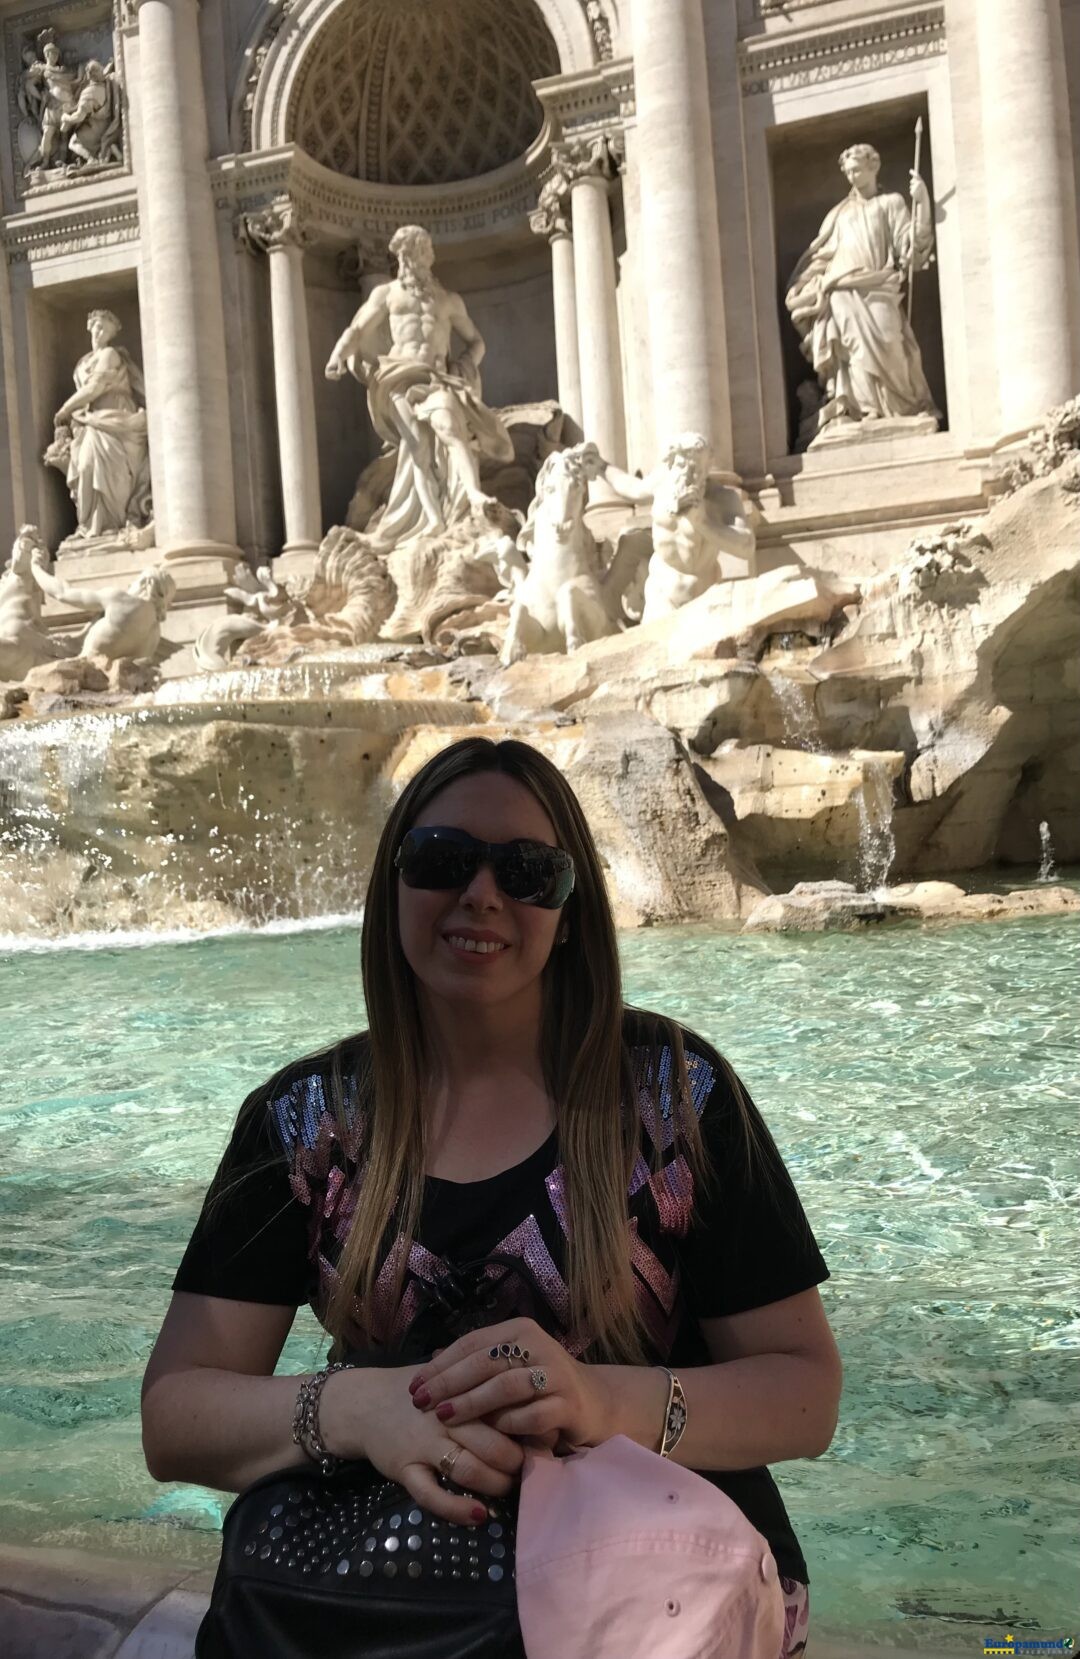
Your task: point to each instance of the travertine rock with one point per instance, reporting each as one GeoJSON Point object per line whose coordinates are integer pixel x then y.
{"type": "Point", "coordinates": [828, 906]}
{"type": "Point", "coordinates": [978, 684]}
{"type": "Point", "coordinates": [71, 676]}
{"type": "Point", "coordinates": [818, 907]}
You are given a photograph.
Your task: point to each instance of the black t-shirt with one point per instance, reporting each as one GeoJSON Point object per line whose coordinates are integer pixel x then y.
{"type": "Point", "coordinates": [488, 1250]}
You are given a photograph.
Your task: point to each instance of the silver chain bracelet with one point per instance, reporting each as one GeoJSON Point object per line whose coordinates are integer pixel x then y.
{"type": "Point", "coordinates": [305, 1429]}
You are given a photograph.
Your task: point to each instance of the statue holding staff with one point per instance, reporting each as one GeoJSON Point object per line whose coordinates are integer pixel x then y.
{"type": "Point", "coordinates": [846, 298]}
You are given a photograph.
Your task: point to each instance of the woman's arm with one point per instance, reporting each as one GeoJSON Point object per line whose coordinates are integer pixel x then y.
{"type": "Point", "coordinates": [773, 1394]}
{"type": "Point", "coordinates": [214, 1415]}
{"type": "Point", "coordinates": [212, 1411]}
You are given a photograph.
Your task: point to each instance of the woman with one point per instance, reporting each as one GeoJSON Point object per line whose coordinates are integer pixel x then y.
{"type": "Point", "coordinates": [419, 1183]}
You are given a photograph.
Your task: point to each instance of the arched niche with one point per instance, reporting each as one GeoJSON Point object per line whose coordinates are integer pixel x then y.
{"type": "Point", "coordinates": [288, 47]}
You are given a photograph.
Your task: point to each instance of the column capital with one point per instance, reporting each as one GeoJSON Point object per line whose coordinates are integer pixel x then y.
{"type": "Point", "coordinates": [597, 155]}
{"type": "Point", "coordinates": [130, 9]}
{"type": "Point", "coordinates": [280, 226]}
{"type": "Point", "coordinates": [552, 213]}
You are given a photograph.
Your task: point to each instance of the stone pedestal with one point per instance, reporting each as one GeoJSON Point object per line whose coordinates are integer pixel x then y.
{"type": "Point", "coordinates": [196, 514]}
{"type": "Point", "coordinates": [840, 432]}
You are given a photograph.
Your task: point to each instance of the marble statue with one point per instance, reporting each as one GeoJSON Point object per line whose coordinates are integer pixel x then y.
{"type": "Point", "coordinates": [262, 604]}
{"type": "Point", "coordinates": [130, 622]}
{"type": "Point", "coordinates": [423, 395]}
{"type": "Point", "coordinates": [24, 644]}
{"type": "Point", "coordinates": [100, 439]}
{"type": "Point", "coordinates": [71, 117]}
{"type": "Point", "coordinates": [600, 26]}
{"type": "Point", "coordinates": [93, 126]}
{"type": "Point", "coordinates": [695, 525]}
{"type": "Point", "coordinates": [46, 95]}
{"type": "Point", "coordinates": [846, 298]}
{"type": "Point", "coordinates": [344, 602]}
{"type": "Point", "coordinates": [568, 595]}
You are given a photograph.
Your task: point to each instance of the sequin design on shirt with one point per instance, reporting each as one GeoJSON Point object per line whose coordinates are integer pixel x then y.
{"type": "Point", "coordinates": [520, 1275]}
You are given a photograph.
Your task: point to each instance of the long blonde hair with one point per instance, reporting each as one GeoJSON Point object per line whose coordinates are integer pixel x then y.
{"type": "Point", "coordinates": [586, 1066]}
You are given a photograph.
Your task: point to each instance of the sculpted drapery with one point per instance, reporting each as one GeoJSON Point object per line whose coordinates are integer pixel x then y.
{"type": "Point", "coordinates": [100, 442]}
{"type": "Point", "coordinates": [846, 297]}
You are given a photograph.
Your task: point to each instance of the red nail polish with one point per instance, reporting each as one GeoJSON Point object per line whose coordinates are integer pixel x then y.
{"type": "Point", "coordinates": [421, 1398]}
{"type": "Point", "coordinates": [478, 1513]}
{"type": "Point", "coordinates": [417, 1382]}
{"type": "Point", "coordinates": [445, 1411]}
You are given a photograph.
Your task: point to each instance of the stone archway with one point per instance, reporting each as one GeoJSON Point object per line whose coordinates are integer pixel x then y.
{"type": "Point", "coordinates": [292, 43]}
{"type": "Point", "coordinates": [410, 92]}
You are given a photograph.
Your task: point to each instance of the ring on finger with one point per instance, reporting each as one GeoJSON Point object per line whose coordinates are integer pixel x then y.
{"type": "Point", "coordinates": [448, 1459]}
{"type": "Point", "coordinates": [538, 1378]}
{"type": "Point", "coordinates": [511, 1352]}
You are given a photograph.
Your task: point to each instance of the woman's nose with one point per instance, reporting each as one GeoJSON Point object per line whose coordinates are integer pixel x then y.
{"type": "Point", "coordinates": [483, 890]}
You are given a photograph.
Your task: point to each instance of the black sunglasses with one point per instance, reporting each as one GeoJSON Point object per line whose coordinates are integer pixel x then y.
{"type": "Point", "coordinates": [529, 872]}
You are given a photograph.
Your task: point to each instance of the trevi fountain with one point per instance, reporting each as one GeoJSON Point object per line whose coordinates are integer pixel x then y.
{"type": "Point", "coordinates": [688, 387]}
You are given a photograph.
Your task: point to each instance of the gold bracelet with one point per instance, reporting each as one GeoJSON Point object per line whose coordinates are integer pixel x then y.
{"type": "Point", "coordinates": [674, 1416]}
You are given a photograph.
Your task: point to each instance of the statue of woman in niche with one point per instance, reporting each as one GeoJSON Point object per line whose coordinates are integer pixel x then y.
{"type": "Point", "coordinates": [100, 442]}
{"type": "Point", "coordinates": [846, 299]}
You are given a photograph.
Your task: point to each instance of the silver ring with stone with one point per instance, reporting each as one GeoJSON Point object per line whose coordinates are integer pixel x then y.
{"type": "Point", "coordinates": [448, 1459]}
{"type": "Point", "coordinates": [509, 1351]}
{"type": "Point", "coordinates": [538, 1378]}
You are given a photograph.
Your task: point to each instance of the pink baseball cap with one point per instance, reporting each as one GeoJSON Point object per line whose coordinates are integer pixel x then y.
{"type": "Point", "coordinates": [622, 1554]}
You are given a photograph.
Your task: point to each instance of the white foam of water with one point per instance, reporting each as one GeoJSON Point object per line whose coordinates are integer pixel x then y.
{"type": "Point", "coordinates": [13, 944]}
{"type": "Point", "coordinates": [1047, 871]}
{"type": "Point", "coordinates": [797, 710]}
{"type": "Point", "coordinates": [877, 843]}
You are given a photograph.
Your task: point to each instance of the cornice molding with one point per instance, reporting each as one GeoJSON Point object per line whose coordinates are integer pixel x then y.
{"type": "Point", "coordinates": [31, 238]}
{"type": "Point", "coordinates": [589, 102]}
{"type": "Point", "coordinates": [339, 211]}
{"type": "Point", "coordinates": [805, 57]}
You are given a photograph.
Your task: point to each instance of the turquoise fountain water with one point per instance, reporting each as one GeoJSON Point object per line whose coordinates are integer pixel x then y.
{"type": "Point", "coordinates": [921, 1084]}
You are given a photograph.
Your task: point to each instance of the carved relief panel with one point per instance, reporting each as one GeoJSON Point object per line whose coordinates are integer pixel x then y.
{"type": "Point", "coordinates": [65, 95]}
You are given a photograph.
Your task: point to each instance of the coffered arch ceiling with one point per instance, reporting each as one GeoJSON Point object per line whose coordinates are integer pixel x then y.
{"type": "Point", "coordinates": [423, 92]}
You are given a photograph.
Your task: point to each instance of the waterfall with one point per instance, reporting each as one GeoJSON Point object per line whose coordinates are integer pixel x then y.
{"type": "Point", "coordinates": [124, 820]}
{"type": "Point", "coordinates": [877, 843]}
{"type": "Point", "coordinates": [797, 710]}
{"type": "Point", "coordinates": [1047, 871]}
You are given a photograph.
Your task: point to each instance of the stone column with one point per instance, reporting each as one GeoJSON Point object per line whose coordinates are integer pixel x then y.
{"type": "Point", "coordinates": [1031, 209]}
{"type": "Point", "coordinates": [195, 454]}
{"type": "Point", "coordinates": [679, 224]}
{"type": "Point", "coordinates": [280, 232]}
{"type": "Point", "coordinates": [552, 220]}
{"type": "Point", "coordinates": [602, 416]}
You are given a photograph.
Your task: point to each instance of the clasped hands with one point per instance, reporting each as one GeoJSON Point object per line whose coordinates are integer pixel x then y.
{"type": "Point", "coordinates": [467, 1412]}
{"type": "Point", "coordinates": [465, 1383]}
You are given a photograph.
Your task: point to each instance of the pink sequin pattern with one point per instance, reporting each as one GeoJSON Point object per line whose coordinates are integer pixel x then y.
{"type": "Point", "coordinates": [321, 1154]}
{"type": "Point", "coordinates": [796, 1618]}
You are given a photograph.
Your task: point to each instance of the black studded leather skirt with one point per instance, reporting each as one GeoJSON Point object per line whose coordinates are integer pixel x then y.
{"type": "Point", "coordinates": [349, 1566]}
